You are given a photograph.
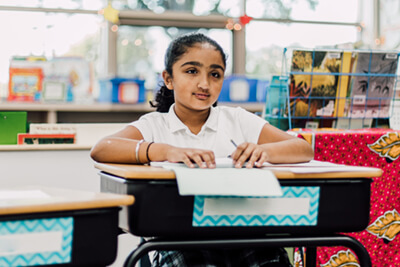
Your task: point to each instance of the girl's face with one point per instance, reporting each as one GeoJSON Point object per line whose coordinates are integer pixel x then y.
{"type": "Point", "coordinates": [197, 78]}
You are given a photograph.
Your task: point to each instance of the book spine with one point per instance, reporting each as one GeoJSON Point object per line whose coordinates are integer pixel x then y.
{"type": "Point", "coordinates": [51, 128]}
{"type": "Point", "coordinates": [341, 92]}
{"type": "Point", "coordinates": [22, 137]}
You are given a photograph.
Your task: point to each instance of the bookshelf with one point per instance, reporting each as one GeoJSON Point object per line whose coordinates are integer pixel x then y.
{"type": "Point", "coordinates": [321, 88]}
{"type": "Point", "coordinates": [94, 112]}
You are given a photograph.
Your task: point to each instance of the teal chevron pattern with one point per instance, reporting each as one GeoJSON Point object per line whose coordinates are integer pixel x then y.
{"type": "Point", "coordinates": [311, 192]}
{"type": "Point", "coordinates": [8, 229]}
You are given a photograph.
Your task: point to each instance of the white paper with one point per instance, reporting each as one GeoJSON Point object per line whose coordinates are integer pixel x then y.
{"type": "Point", "coordinates": [228, 163]}
{"type": "Point", "coordinates": [313, 166]}
{"type": "Point", "coordinates": [256, 206]}
{"type": "Point", "coordinates": [226, 182]}
{"type": "Point", "coordinates": [339, 168]}
{"type": "Point", "coordinates": [312, 163]}
{"type": "Point", "coordinates": [219, 162]}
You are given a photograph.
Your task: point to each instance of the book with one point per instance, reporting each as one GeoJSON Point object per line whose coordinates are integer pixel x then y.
{"type": "Point", "coordinates": [11, 124]}
{"type": "Point", "coordinates": [299, 84]}
{"type": "Point", "coordinates": [343, 85]}
{"type": "Point", "coordinates": [38, 139]}
{"type": "Point", "coordinates": [52, 128]}
{"type": "Point", "coordinates": [314, 93]}
{"type": "Point", "coordinates": [25, 84]}
{"type": "Point", "coordinates": [372, 84]}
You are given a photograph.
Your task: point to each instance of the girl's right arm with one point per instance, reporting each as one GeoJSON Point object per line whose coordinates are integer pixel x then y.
{"type": "Point", "coordinates": [121, 148]}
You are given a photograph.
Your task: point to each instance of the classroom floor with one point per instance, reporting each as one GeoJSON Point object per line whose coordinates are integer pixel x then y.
{"type": "Point", "coordinates": [126, 243]}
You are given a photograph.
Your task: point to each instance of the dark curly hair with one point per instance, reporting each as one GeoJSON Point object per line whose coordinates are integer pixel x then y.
{"type": "Point", "coordinates": [165, 97]}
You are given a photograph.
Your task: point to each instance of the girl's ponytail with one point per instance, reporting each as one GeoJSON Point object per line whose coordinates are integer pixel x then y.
{"type": "Point", "coordinates": [164, 99]}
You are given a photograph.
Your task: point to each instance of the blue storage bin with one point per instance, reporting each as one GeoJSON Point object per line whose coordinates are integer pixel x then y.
{"type": "Point", "coordinates": [276, 102]}
{"type": "Point", "coordinates": [122, 90]}
{"type": "Point", "coordinates": [262, 87]}
{"type": "Point", "coordinates": [276, 97]}
{"type": "Point", "coordinates": [238, 89]}
{"type": "Point", "coordinates": [105, 93]}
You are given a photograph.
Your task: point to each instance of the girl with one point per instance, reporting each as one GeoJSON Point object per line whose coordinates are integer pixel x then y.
{"type": "Point", "coordinates": [189, 128]}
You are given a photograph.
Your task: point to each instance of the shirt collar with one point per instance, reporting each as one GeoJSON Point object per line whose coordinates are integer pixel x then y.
{"type": "Point", "coordinates": [175, 124]}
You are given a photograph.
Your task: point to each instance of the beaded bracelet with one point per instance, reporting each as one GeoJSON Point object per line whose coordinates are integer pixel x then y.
{"type": "Point", "coordinates": [147, 151]}
{"type": "Point", "coordinates": [137, 150]}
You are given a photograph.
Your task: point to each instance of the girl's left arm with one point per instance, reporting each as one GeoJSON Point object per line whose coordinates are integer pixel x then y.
{"type": "Point", "coordinates": [274, 146]}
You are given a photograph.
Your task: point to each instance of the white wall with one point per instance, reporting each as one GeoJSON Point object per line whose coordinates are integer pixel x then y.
{"type": "Point", "coordinates": [71, 169]}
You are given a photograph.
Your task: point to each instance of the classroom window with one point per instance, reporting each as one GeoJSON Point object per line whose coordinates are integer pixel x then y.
{"type": "Point", "coordinates": [49, 35]}
{"type": "Point", "coordinates": [196, 7]}
{"type": "Point", "coordinates": [306, 10]}
{"type": "Point", "coordinates": [61, 4]}
{"type": "Point", "coordinates": [265, 42]}
{"type": "Point", "coordinates": [389, 22]}
{"type": "Point", "coordinates": [140, 50]}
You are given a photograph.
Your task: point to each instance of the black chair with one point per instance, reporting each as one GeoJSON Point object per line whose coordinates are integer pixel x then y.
{"type": "Point", "coordinates": [310, 242]}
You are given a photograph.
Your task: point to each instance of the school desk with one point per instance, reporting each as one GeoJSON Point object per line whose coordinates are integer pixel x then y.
{"type": "Point", "coordinates": [337, 202]}
{"type": "Point", "coordinates": [58, 227]}
{"type": "Point", "coordinates": [374, 148]}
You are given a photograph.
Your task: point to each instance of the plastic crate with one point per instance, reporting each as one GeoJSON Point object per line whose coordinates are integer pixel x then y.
{"type": "Point", "coordinates": [122, 90]}
{"type": "Point", "coordinates": [238, 89]}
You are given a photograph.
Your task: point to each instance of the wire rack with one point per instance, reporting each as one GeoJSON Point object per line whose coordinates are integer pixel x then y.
{"type": "Point", "coordinates": [333, 88]}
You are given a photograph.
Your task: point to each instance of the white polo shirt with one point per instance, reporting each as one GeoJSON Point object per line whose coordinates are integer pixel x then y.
{"type": "Point", "coordinates": [223, 124]}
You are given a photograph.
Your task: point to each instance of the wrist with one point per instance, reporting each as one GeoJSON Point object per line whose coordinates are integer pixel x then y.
{"type": "Point", "coordinates": [137, 151]}
{"type": "Point", "coordinates": [148, 152]}
{"type": "Point", "coordinates": [158, 152]}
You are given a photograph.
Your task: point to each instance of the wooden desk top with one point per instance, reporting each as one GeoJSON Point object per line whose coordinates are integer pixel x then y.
{"type": "Point", "coordinates": [35, 199]}
{"type": "Point", "coordinates": [131, 171]}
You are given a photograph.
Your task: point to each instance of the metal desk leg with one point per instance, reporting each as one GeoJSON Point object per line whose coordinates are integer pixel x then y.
{"type": "Point", "coordinates": [310, 257]}
{"type": "Point", "coordinates": [322, 241]}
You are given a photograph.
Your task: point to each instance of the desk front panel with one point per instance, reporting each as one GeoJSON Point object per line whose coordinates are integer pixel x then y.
{"type": "Point", "coordinates": [159, 210]}
{"type": "Point", "coordinates": [378, 148]}
{"type": "Point", "coordinates": [70, 238]}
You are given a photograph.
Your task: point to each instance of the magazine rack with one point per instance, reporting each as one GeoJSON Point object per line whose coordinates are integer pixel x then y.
{"type": "Point", "coordinates": [332, 88]}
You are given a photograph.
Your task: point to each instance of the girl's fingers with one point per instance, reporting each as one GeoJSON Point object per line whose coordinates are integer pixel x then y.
{"type": "Point", "coordinates": [245, 155]}
{"type": "Point", "coordinates": [209, 160]}
{"type": "Point", "coordinates": [250, 155]}
{"type": "Point", "coordinates": [237, 154]}
{"type": "Point", "coordinates": [188, 162]}
{"type": "Point", "coordinates": [253, 158]}
{"type": "Point", "coordinates": [238, 151]}
{"type": "Point", "coordinates": [204, 159]}
{"type": "Point", "coordinates": [263, 158]}
{"type": "Point", "coordinates": [198, 160]}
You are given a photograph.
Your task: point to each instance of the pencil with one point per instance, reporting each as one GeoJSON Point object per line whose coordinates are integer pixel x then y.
{"type": "Point", "coordinates": [233, 142]}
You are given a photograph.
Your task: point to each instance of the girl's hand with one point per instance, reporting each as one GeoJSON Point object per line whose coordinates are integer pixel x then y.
{"type": "Point", "coordinates": [254, 154]}
{"type": "Point", "coordinates": [191, 156]}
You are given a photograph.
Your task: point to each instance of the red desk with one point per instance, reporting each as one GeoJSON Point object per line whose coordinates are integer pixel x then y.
{"type": "Point", "coordinates": [378, 148]}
